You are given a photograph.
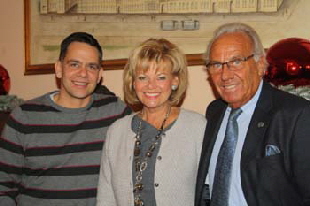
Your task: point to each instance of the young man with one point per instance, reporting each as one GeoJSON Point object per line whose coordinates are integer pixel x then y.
{"type": "Point", "coordinates": [51, 146]}
{"type": "Point", "coordinates": [261, 156]}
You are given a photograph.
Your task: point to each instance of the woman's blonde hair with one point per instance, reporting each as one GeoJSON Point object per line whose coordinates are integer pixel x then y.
{"type": "Point", "coordinates": [163, 54]}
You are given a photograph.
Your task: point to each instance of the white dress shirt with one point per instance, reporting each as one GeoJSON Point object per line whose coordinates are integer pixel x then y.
{"type": "Point", "coordinates": [236, 196]}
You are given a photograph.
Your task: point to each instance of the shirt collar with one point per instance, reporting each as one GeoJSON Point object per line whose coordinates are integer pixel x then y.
{"type": "Point", "coordinates": [251, 104]}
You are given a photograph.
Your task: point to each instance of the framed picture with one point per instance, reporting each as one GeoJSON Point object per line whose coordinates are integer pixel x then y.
{"type": "Point", "coordinates": [119, 27]}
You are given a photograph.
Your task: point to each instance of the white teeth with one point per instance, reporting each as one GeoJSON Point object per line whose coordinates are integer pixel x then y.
{"type": "Point", "coordinates": [229, 86]}
{"type": "Point", "coordinates": [151, 94]}
{"type": "Point", "coordinates": [80, 83]}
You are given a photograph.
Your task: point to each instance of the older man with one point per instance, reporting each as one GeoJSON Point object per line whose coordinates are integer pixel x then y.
{"type": "Point", "coordinates": [256, 145]}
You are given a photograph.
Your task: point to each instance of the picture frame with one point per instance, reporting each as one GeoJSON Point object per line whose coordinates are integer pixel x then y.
{"type": "Point", "coordinates": [35, 68]}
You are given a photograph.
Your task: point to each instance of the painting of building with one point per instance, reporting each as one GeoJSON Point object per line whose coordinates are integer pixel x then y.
{"type": "Point", "coordinates": [119, 25]}
{"type": "Point", "coordinates": [158, 6]}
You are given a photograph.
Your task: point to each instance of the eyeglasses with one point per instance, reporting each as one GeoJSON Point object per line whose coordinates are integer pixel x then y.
{"type": "Point", "coordinates": [232, 65]}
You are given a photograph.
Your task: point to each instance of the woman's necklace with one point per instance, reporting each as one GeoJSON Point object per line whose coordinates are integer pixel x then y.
{"type": "Point", "coordinates": [141, 163]}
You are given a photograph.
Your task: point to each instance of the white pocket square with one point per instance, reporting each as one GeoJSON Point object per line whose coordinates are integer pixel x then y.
{"type": "Point", "coordinates": [271, 150]}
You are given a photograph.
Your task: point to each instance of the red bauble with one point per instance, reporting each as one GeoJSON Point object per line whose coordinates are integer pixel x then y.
{"type": "Point", "coordinates": [289, 62]}
{"type": "Point", "coordinates": [4, 81]}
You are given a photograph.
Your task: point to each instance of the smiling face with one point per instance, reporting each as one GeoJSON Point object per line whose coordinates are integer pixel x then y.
{"type": "Point", "coordinates": [236, 87]}
{"type": "Point", "coordinates": [80, 71]}
{"type": "Point", "coordinates": [153, 86]}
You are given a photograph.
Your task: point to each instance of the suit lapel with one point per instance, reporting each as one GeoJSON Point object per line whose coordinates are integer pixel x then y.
{"type": "Point", "coordinates": [253, 145]}
{"type": "Point", "coordinates": [215, 114]}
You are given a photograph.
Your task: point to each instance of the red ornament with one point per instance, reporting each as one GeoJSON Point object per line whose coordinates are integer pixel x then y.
{"type": "Point", "coordinates": [4, 81]}
{"type": "Point", "coordinates": [289, 62]}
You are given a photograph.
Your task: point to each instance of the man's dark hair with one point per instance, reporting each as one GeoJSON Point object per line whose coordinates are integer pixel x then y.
{"type": "Point", "coordinates": [79, 37]}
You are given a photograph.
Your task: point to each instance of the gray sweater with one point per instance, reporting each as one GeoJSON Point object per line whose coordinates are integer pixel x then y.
{"type": "Point", "coordinates": [50, 155]}
{"type": "Point", "coordinates": [175, 170]}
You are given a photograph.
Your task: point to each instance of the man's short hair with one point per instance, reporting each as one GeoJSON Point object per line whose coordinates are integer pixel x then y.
{"type": "Point", "coordinates": [258, 49]}
{"type": "Point", "coordinates": [79, 37]}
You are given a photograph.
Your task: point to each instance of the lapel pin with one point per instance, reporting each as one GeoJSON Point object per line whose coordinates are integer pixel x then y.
{"type": "Point", "coordinates": [260, 124]}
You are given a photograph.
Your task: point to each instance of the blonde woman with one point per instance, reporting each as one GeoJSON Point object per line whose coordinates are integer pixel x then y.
{"type": "Point", "coordinates": [151, 157]}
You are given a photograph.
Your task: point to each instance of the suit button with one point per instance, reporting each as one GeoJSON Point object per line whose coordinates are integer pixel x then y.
{"type": "Point", "coordinates": [159, 157]}
{"type": "Point", "coordinates": [156, 184]}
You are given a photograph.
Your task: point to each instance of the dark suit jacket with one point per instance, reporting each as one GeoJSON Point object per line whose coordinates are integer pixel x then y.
{"type": "Point", "coordinates": [280, 119]}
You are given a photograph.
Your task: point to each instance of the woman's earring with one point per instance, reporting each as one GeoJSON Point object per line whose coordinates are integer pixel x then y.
{"type": "Point", "coordinates": [174, 87]}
